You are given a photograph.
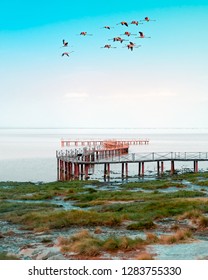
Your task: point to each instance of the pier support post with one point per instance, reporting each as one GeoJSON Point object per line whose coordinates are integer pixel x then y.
{"type": "Point", "coordinates": [58, 170]}
{"type": "Point", "coordinates": [65, 171]}
{"type": "Point", "coordinates": [158, 168]}
{"type": "Point", "coordinates": [108, 169]}
{"type": "Point", "coordinates": [127, 171]}
{"type": "Point", "coordinates": [61, 170]}
{"type": "Point", "coordinates": [143, 168]}
{"type": "Point", "coordinates": [122, 169]}
{"type": "Point", "coordinates": [172, 168]}
{"type": "Point", "coordinates": [86, 171]}
{"type": "Point", "coordinates": [76, 170]}
{"type": "Point", "coordinates": [82, 170]}
{"type": "Point", "coordinates": [70, 170]}
{"type": "Point", "coordinates": [196, 167]}
{"type": "Point", "coordinates": [139, 169]}
{"type": "Point", "coordinates": [162, 167]}
{"type": "Point", "coordinates": [105, 170]}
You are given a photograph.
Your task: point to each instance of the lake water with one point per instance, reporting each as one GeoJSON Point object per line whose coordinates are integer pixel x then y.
{"type": "Point", "coordinates": [30, 154]}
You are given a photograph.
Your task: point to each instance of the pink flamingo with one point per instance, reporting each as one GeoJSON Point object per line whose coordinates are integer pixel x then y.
{"type": "Point", "coordinates": [136, 22]}
{"type": "Point", "coordinates": [132, 45]}
{"type": "Point", "coordinates": [127, 33]}
{"type": "Point", "coordinates": [117, 39]}
{"type": "Point", "coordinates": [142, 35]}
{"type": "Point", "coordinates": [148, 19]}
{"type": "Point", "coordinates": [65, 44]}
{"type": "Point", "coordinates": [84, 33]}
{"type": "Point", "coordinates": [107, 27]}
{"type": "Point", "coordinates": [123, 23]}
{"type": "Point", "coordinates": [66, 53]}
{"type": "Point", "coordinates": [108, 47]}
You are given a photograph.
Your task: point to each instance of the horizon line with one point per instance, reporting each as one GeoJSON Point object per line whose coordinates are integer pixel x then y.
{"type": "Point", "coordinates": [101, 128]}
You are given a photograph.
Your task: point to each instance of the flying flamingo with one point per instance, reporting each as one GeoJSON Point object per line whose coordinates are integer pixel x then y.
{"type": "Point", "coordinates": [132, 45]}
{"type": "Point", "coordinates": [123, 23]}
{"type": "Point", "coordinates": [66, 53]}
{"type": "Point", "coordinates": [65, 44]}
{"type": "Point", "coordinates": [141, 35]}
{"type": "Point", "coordinates": [148, 19]}
{"type": "Point", "coordinates": [84, 33]}
{"type": "Point", "coordinates": [136, 22]}
{"type": "Point", "coordinates": [108, 47]}
{"type": "Point", "coordinates": [118, 39]}
{"type": "Point", "coordinates": [127, 33]}
{"type": "Point", "coordinates": [107, 27]}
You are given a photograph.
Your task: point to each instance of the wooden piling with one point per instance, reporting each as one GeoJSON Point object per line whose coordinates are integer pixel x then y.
{"type": "Point", "coordinates": [158, 168]}
{"type": "Point", "coordinates": [122, 169]}
{"type": "Point", "coordinates": [196, 167]}
{"type": "Point", "coordinates": [86, 171]}
{"type": "Point", "coordinates": [127, 171]}
{"type": "Point", "coordinates": [172, 168]}
{"type": "Point", "coordinates": [142, 168]}
{"type": "Point", "coordinates": [139, 169]}
{"type": "Point", "coordinates": [162, 167]}
{"type": "Point", "coordinates": [108, 169]}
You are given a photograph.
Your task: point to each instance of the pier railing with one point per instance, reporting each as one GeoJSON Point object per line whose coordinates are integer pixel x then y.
{"type": "Point", "coordinates": [95, 142]}
{"type": "Point", "coordinates": [72, 164]}
{"type": "Point", "coordinates": [132, 157]}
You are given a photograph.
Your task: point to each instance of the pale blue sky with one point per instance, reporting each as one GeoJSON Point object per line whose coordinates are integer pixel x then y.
{"type": "Point", "coordinates": [161, 84]}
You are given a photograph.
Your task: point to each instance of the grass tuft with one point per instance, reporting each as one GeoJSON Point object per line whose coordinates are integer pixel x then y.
{"type": "Point", "coordinates": [7, 256]}
{"type": "Point", "coordinates": [178, 237]}
{"type": "Point", "coordinates": [141, 225]}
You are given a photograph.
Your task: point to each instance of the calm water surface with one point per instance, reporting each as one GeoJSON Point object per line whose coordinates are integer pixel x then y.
{"type": "Point", "coordinates": [30, 154]}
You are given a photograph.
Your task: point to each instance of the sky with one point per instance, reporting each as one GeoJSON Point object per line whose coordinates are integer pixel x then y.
{"type": "Point", "coordinates": [162, 83]}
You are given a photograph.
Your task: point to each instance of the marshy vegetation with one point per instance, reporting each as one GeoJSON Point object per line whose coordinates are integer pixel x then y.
{"type": "Point", "coordinates": [88, 245]}
{"type": "Point", "coordinates": [131, 206]}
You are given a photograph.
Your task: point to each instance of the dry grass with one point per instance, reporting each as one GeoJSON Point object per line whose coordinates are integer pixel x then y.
{"type": "Point", "coordinates": [202, 222]}
{"type": "Point", "coordinates": [190, 215]}
{"type": "Point", "coordinates": [82, 243]}
{"type": "Point", "coordinates": [178, 237]}
{"type": "Point", "coordinates": [151, 238]}
{"type": "Point", "coordinates": [197, 218]}
{"type": "Point", "coordinates": [113, 243]}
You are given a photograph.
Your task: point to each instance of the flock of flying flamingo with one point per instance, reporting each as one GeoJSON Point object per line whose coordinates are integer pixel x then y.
{"type": "Point", "coordinates": [131, 45]}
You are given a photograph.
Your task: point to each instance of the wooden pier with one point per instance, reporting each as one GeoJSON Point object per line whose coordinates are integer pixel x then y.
{"type": "Point", "coordinates": [77, 165]}
{"type": "Point", "coordinates": [97, 142]}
